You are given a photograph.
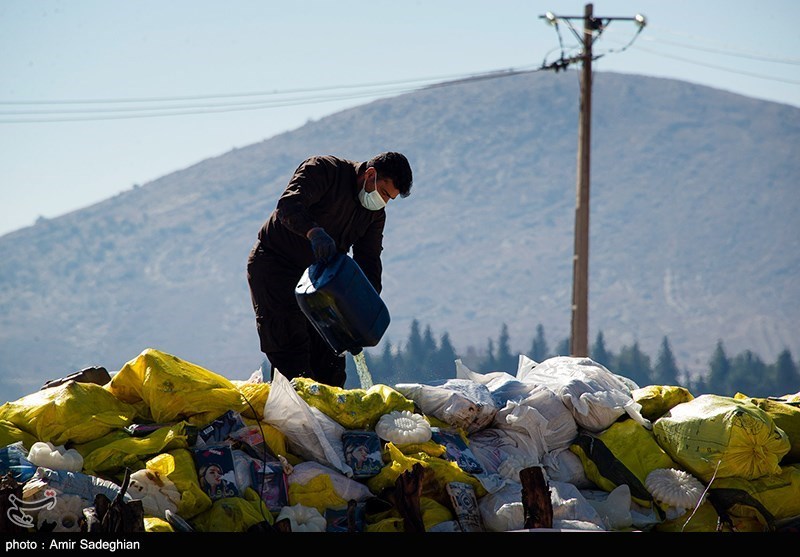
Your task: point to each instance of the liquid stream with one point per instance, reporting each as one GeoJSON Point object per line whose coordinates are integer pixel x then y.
{"type": "Point", "coordinates": [363, 373]}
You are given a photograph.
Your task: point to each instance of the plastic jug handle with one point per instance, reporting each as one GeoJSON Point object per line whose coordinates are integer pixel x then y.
{"type": "Point", "coordinates": [317, 268]}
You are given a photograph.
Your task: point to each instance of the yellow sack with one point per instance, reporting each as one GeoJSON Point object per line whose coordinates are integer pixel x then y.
{"type": "Point", "coordinates": [433, 513]}
{"type": "Point", "coordinates": [155, 524]}
{"type": "Point", "coordinates": [9, 433]}
{"type": "Point", "coordinates": [657, 400]}
{"type": "Point", "coordinates": [68, 413]}
{"type": "Point", "coordinates": [624, 453]}
{"type": "Point", "coordinates": [174, 389]}
{"type": "Point", "coordinates": [705, 519]}
{"type": "Point", "coordinates": [437, 474]}
{"type": "Point", "coordinates": [352, 408]}
{"type": "Point", "coordinates": [234, 514]}
{"type": "Point", "coordinates": [768, 498]}
{"type": "Point", "coordinates": [786, 416]}
{"type": "Point", "coordinates": [131, 452]}
{"type": "Point", "coordinates": [722, 437]}
{"type": "Point", "coordinates": [178, 466]}
{"type": "Point", "coordinates": [255, 396]}
{"type": "Point", "coordinates": [318, 492]}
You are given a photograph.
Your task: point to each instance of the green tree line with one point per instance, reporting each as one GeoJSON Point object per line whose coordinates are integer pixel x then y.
{"type": "Point", "coordinates": [423, 358]}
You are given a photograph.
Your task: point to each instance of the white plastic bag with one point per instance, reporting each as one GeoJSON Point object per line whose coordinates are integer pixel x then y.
{"type": "Point", "coordinates": [459, 402]}
{"type": "Point", "coordinates": [595, 396]}
{"type": "Point", "coordinates": [309, 432]}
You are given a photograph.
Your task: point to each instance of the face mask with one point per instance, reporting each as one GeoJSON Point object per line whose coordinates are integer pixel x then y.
{"type": "Point", "coordinates": [372, 200]}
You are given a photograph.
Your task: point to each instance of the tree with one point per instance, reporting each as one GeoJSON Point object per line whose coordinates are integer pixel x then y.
{"type": "Point", "coordinates": [634, 364]}
{"type": "Point", "coordinates": [386, 364]}
{"type": "Point", "coordinates": [539, 348]}
{"type": "Point", "coordinates": [428, 352]}
{"type": "Point", "coordinates": [562, 348]}
{"type": "Point", "coordinates": [787, 379]}
{"type": "Point", "coordinates": [719, 370]}
{"type": "Point", "coordinates": [666, 370]}
{"type": "Point", "coordinates": [489, 363]}
{"type": "Point", "coordinates": [415, 349]}
{"type": "Point", "coordinates": [749, 376]}
{"type": "Point", "coordinates": [506, 361]}
{"type": "Point", "coordinates": [599, 352]}
{"type": "Point", "coordinates": [446, 355]}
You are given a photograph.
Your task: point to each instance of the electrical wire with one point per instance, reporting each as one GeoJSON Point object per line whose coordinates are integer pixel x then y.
{"type": "Point", "coordinates": [290, 98]}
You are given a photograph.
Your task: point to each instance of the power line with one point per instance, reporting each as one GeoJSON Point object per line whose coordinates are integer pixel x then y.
{"type": "Point", "coordinates": [290, 98]}
{"type": "Point", "coordinates": [721, 68]}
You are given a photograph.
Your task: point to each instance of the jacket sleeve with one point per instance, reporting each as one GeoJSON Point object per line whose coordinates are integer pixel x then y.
{"type": "Point", "coordinates": [306, 187]}
{"type": "Point", "coordinates": [367, 252]}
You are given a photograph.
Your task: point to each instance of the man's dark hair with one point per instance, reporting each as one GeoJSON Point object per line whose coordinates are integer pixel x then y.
{"type": "Point", "coordinates": [395, 166]}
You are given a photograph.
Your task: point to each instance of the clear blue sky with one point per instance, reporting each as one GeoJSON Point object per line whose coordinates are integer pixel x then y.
{"type": "Point", "coordinates": [228, 74]}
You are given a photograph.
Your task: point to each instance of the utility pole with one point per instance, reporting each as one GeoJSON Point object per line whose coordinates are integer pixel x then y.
{"type": "Point", "coordinates": [579, 335]}
{"type": "Point", "coordinates": [579, 338]}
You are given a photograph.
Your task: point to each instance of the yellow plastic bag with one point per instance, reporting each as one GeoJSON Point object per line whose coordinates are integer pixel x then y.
{"type": "Point", "coordinates": [131, 452]}
{"type": "Point", "coordinates": [352, 408]}
{"type": "Point", "coordinates": [175, 390]}
{"type": "Point", "coordinates": [722, 437]}
{"type": "Point", "coordinates": [432, 511]}
{"type": "Point", "coordinates": [786, 416]}
{"type": "Point", "coordinates": [624, 453]}
{"type": "Point", "coordinates": [437, 474]}
{"type": "Point", "coordinates": [768, 498]}
{"type": "Point", "coordinates": [155, 524]}
{"type": "Point", "coordinates": [178, 466]}
{"type": "Point", "coordinates": [318, 492]}
{"type": "Point", "coordinates": [9, 433]}
{"type": "Point", "coordinates": [704, 519]}
{"type": "Point", "coordinates": [234, 514]}
{"type": "Point", "coordinates": [255, 396]}
{"type": "Point", "coordinates": [657, 400]}
{"type": "Point", "coordinates": [68, 413]}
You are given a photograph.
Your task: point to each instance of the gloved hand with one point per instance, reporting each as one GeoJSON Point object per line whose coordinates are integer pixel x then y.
{"type": "Point", "coordinates": [322, 244]}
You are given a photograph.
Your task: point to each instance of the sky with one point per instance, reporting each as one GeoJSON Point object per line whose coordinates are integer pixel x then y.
{"type": "Point", "coordinates": [99, 96]}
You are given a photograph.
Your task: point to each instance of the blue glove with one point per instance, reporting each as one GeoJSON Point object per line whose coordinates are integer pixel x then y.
{"type": "Point", "coordinates": [322, 244]}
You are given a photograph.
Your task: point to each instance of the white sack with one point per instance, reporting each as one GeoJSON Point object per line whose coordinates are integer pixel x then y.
{"type": "Point", "coordinates": [595, 396]}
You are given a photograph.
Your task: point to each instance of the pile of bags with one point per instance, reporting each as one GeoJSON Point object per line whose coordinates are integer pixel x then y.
{"type": "Point", "coordinates": [177, 447]}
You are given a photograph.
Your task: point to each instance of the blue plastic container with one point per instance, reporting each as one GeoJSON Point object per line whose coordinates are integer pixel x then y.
{"type": "Point", "coordinates": [342, 304]}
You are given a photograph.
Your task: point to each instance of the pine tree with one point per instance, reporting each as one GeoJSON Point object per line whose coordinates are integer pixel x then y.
{"type": "Point", "coordinates": [562, 348]}
{"type": "Point", "coordinates": [489, 362]}
{"type": "Point", "coordinates": [749, 376]}
{"type": "Point", "coordinates": [429, 353]}
{"type": "Point", "coordinates": [386, 365]}
{"type": "Point", "coordinates": [666, 370]}
{"type": "Point", "coordinates": [633, 364]}
{"type": "Point", "coordinates": [414, 356]}
{"type": "Point", "coordinates": [599, 353]}
{"type": "Point", "coordinates": [719, 371]}
{"type": "Point", "coordinates": [446, 355]}
{"type": "Point", "coordinates": [539, 349]}
{"type": "Point", "coordinates": [787, 379]}
{"type": "Point", "coordinates": [506, 361]}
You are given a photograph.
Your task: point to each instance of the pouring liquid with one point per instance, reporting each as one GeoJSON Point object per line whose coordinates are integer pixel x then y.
{"type": "Point", "coordinates": [363, 373]}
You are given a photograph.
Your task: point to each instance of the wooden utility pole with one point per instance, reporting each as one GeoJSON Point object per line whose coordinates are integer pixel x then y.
{"type": "Point", "coordinates": [579, 339]}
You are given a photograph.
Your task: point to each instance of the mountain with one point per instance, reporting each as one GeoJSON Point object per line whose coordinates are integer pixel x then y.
{"type": "Point", "coordinates": [694, 232]}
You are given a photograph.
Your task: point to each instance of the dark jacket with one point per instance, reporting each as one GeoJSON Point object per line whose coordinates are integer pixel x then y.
{"type": "Point", "coordinates": [323, 192]}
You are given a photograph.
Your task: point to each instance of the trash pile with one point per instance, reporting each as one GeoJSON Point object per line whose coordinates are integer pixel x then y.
{"type": "Point", "coordinates": [165, 445]}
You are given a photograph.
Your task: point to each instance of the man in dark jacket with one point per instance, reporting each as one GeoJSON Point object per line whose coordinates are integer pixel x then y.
{"type": "Point", "coordinates": [330, 205]}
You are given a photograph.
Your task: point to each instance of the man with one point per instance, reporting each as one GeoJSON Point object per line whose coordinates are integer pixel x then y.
{"type": "Point", "coordinates": [330, 205]}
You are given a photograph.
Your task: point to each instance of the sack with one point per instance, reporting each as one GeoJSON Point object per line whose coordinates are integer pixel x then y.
{"type": "Point", "coordinates": [715, 436]}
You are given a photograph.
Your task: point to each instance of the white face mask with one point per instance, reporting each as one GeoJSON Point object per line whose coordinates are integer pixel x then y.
{"type": "Point", "coordinates": [372, 200]}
